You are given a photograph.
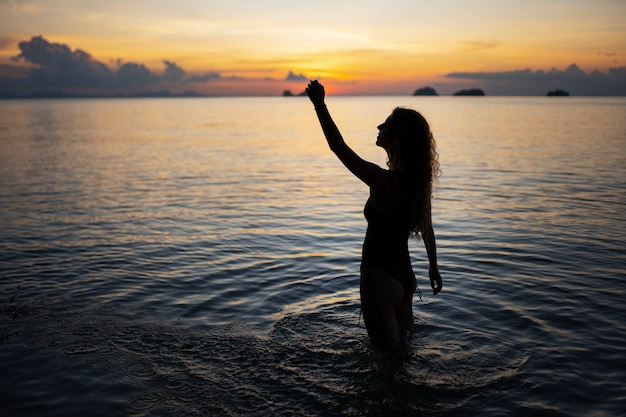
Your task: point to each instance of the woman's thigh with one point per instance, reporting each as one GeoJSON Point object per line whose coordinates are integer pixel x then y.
{"type": "Point", "coordinates": [381, 294]}
{"type": "Point", "coordinates": [404, 310]}
{"type": "Point", "coordinates": [381, 288]}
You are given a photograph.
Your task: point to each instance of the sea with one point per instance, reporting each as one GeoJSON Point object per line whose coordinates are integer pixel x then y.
{"type": "Point", "coordinates": [200, 257]}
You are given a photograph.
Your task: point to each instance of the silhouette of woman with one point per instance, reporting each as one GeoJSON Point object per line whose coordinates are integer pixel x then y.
{"type": "Point", "coordinates": [399, 206]}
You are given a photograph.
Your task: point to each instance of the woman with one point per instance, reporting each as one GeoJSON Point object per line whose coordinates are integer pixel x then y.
{"type": "Point", "coordinates": [398, 207]}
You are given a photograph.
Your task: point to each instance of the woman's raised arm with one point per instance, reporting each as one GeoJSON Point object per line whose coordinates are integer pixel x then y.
{"type": "Point", "coordinates": [366, 171]}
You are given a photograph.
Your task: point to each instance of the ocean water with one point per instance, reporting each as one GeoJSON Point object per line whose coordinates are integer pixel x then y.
{"type": "Point", "coordinates": [200, 257]}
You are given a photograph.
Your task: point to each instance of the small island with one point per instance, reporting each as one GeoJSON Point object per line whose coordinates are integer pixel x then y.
{"type": "Point", "coordinates": [558, 93]}
{"type": "Point", "coordinates": [470, 92]}
{"type": "Point", "coordinates": [425, 91]}
{"type": "Point", "coordinates": [288, 93]}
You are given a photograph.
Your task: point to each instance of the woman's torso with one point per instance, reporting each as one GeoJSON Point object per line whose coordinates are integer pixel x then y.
{"type": "Point", "coordinates": [386, 241]}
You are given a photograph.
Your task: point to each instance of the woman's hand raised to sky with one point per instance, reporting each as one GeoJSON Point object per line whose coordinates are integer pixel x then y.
{"type": "Point", "coordinates": [316, 93]}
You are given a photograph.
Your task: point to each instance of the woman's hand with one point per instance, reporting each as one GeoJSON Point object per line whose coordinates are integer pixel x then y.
{"type": "Point", "coordinates": [316, 93]}
{"type": "Point", "coordinates": [436, 283]}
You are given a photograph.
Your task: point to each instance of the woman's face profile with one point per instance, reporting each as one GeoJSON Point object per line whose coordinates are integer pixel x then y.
{"type": "Point", "coordinates": [384, 137]}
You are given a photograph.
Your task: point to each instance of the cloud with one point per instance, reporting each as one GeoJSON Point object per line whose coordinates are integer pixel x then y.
{"type": "Point", "coordinates": [296, 77]}
{"type": "Point", "coordinates": [173, 72]}
{"type": "Point", "coordinates": [57, 64]}
{"type": "Point", "coordinates": [54, 66]}
{"type": "Point", "coordinates": [525, 74]}
{"type": "Point", "coordinates": [480, 45]}
{"type": "Point", "coordinates": [539, 82]}
{"type": "Point", "coordinates": [204, 77]}
{"type": "Point", "coordinates": [131, 74]}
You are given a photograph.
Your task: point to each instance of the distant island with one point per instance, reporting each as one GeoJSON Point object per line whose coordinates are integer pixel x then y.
{"type": "Point", "coordinates": [425, 91]}
{"type": "Point", "coordinates": [558, 93]}
{"type": "Point", "coordinates": [470, 92]}
{"type": "Point", "coordinates": [288, 93]}
{"type": "Point", "coordinates": [59, 94]}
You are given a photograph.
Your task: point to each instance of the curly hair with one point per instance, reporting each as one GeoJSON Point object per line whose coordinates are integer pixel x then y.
{"type": "Point", "coordinates": [413, 153]}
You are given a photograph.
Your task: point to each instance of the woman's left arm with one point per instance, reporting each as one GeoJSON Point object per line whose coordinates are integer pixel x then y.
{"type": "Point", "coordinates": [436, 281]}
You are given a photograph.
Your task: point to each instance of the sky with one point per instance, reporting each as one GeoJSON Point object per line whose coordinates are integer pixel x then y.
{"type": "Point", "coordinates": [263, 47]}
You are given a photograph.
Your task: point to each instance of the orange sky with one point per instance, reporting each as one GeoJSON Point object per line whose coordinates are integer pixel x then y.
{"type": "Point", "coordinates": [357, 47]}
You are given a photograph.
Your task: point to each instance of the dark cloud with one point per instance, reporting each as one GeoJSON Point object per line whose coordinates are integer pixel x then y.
{"type": "Point", "coordinates": [525, 74]}
{"type": "Point", "coordinates": [618, 73]}
{"type": "Point", "coordinates": [296, 77]}
{"type": "Point", "coordinates": [538, 82]}
{"type": "Point", "coordinates": [204, 77]}
{"type": "Point", "coordinates": [132, 74]}
{"type": "Point", "coordinates": [173, 72]}
{"type": "Point", "coordinates": [58, 65]}
{"type": "Point", "coordinates": [54, 66]}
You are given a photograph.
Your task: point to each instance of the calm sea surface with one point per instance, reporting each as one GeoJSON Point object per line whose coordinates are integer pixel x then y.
{"type": "Point", "coordinates": [201, 256]}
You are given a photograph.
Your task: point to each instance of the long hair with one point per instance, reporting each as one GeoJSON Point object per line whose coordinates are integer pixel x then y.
{"type": "Point", "coordinates": [413, 153]}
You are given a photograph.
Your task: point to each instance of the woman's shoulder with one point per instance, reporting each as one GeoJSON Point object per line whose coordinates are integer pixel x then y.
{"type": "Point", "coordinates": [387, 189]}
{"type": "Point", "coordinates": [382, 179]}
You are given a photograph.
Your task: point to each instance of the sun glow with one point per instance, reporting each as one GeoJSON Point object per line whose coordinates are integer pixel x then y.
{"type": "Point", "coordinates": [355, 48]}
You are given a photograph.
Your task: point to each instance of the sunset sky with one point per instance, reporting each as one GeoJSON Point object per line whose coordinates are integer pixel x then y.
{"type": "Point", "coordinates": [261, 47]}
